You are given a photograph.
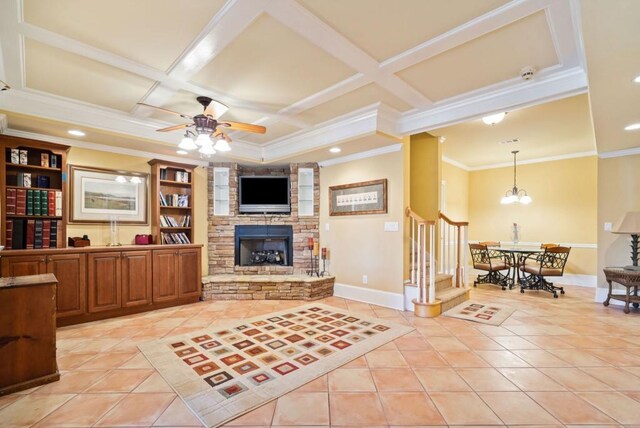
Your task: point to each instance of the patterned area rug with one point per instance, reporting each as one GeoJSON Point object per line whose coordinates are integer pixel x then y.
{"type": "Point", "coordinates": [224, 372]}
{"type": "Point", "coordinates": [485, 313]}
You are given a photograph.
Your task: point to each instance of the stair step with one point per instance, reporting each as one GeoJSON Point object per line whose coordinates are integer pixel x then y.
{"type": "Point", "coordinates": [451, 297]}
{"type": "Point", "coordinates": [443, 282]}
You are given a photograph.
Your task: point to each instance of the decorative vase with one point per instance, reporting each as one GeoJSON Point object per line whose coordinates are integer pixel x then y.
{"type": "Point", "coordinates": [114, 232]}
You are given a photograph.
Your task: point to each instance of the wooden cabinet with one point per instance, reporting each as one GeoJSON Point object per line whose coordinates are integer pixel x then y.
{"type": "Point", "coordinates": [71, 272]}
{"type": "Point", "coordinates": [97, 283]}
{"type": "Point", "coordinates": [189, 283]}
{"type": "Point", "coordinates": [104, 281]}
{"type": "Point", "coordinates": [136, 278]}
{"type": "Point", "coordinates": [24, 265]}
{"type": "Point", "coordinates": [27, 332]}
{"type": "Point", "coordinates": [165, 275]}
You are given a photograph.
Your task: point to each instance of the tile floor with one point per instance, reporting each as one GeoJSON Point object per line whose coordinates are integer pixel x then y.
{"type": "Point", "coordinates": [555, 362]}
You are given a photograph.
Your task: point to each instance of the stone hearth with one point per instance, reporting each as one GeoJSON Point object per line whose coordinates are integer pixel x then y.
{"type": "Point", "coordinates": [266, 287]}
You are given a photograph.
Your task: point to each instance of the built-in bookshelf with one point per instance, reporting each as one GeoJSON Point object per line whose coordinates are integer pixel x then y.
{"type": "Point", "coordinates": [33, 187]}
{"type": "Point", "coordinates": [172, 202]}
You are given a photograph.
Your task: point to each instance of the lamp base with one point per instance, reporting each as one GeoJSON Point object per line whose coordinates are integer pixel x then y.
{"type": "Point", "coordinates": [633, 268]}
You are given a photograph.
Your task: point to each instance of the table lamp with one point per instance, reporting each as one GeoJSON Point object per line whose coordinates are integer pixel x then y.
{"type": "Point", "coordinates": [630, 225]}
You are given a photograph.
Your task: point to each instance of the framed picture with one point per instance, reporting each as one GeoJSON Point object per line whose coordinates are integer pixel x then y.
{"type": "Point", "coordinates": [368, 197]}
{"type": "Point", "coordinates": [97, 195]}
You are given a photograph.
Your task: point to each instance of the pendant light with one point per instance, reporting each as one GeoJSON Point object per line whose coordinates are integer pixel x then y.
{"type": "Point", "coordinates": [515, 195]}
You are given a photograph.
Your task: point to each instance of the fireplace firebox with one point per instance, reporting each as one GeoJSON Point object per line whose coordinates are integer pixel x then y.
{"type": "Point", "coordinates": [258, 245]}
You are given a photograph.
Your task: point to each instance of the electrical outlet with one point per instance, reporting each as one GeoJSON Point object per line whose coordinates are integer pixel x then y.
{"type": "Point", "coordinates": [365, 279]}
{"type": "Point", "coordinates": [326, 227]}
{"type": "Point", "coordinates": [607, 227]}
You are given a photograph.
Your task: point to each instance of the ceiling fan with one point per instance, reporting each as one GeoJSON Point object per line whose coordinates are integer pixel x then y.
{"type": "Point", "coordinates": [206, 125]}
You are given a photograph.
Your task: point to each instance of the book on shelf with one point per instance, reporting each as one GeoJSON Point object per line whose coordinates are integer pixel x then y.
{"type": "Point", "coordinates": [15, 156]}
{"type": "Point", "coordinates": [53, 234]}
{"type": "Point", "coordinates": [24, 155]}
{"type": "Point", "coordinates": [170, 221]}
{"type": "Point", "coordinates": [29, 239]}
{"type": "Point", "coordinates": [9, 234]}
{"type": "Point", "coordinates": [18, 236]}
{"type": "Point", "coordinates": [29, 202]}
{"type": "Point", "coordinates": [43, 182]}
{"type": "Point", "coordinates": [46, 233]}
{"type": "Point", "coordinates": [23, 179]}
{"type": "Point", "coordinates": [174, 200]}
{"type": "Point", "coordinates": [174, 238]}
{"type": "Point", "coordinates": [44, 160]}
{"type": "Point", "coordinates": [54, 161]}
{"type": "Point", "coordinates": [44, 202]}
{"type": "Point", "coordinates": [38, 232]}
{"type": "Point", "coordinates": [21, 201]}
{"type": "Point", "coordinates": [163, 174]}
{"type": "Point", "coordinates": [11, 201]}
{"type": "Point", "coordinates": [182, 176]}
{"type": "Point", "coordinates": [51, 202]}
{"type": "Point", "coordinates": [58, 206]}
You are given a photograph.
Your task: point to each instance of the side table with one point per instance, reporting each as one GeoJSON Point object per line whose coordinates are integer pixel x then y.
{"type": "Point", "coordinates": [627, 278]}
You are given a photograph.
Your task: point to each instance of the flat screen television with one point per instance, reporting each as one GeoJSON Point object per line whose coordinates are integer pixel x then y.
{"type": "Point", "coordinates": [264, 194]}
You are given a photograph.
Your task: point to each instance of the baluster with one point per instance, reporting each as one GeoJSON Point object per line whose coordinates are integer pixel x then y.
{"type": "Point", "coordinates": [432, 285]}
{"type": "Point", "coordinates": [419, 267]}
{"type": "Point", "coordinates": [413, 251]}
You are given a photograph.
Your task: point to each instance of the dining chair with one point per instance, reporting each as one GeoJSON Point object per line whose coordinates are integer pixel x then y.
{"type": "Point", "coordinates": [548, 245]}
{"type": "Point", "coordinates": [537, 267]}
{"type": "Point", "coordinates": [492, 262]}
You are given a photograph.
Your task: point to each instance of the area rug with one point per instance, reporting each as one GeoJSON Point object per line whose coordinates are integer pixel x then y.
{"type": "Point", "coordinates": [485, 313]}
{"type": "Point", "coordinates": [224, 372]}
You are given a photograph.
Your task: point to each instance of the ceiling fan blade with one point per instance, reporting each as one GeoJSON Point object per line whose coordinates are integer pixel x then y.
{"type": "Point", "coordinates": [239, 126]}
{"type": "Point", "coordinates": [215, 109]}
{"type": "Point", "coordinates": [185, 116]}
{"type": "Point", "coordinates": [175, 127]}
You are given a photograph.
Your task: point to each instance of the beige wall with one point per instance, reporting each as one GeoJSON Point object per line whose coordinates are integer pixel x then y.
{"type": "Point", "coordinates": [618, 192]}
{"type": "Point", "coordinates": [358, 245]}
{"type": "Point", "coordinates": [99, 233]}
{"type": "Point", "coordinates": [456, 197]}
{"type": "Point", "coordinates": [425, 175]}
{"type": "Point", "coordinates": [564, 207]}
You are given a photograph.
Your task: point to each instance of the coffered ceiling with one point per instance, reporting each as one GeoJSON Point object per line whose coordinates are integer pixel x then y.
{"type": "Point", "coordinates": [316, 73]}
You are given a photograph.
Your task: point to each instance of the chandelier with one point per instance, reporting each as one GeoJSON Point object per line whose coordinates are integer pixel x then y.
{"type": "Point", "coordinates": [515, 195]}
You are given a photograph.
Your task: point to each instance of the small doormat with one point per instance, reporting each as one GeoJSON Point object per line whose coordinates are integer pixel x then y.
{"type": "Point", "coordinates": [224, 372]}
{"type": "Point", "coordinates": [484, 313]}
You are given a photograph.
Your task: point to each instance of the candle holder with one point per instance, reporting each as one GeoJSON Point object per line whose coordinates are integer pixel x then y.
{"type": "Point", "coordinates": [324, 262]}
{"type": "Point", "coordinates": [313, 251]}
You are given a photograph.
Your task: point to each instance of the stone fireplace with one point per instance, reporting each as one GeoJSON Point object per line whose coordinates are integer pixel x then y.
{"type": "Point", "coordinates": [258, 245]}
{"type": "Point", "coordinates": [226, 253]}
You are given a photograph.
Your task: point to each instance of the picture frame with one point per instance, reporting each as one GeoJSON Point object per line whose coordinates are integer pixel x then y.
{"type": "Point", "coordinates": [367, 197]}
{"type": "Point", "coordinates": [96, 197]}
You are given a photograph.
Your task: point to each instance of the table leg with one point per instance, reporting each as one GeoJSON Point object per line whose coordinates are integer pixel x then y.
{"type": "Point", "coordinates": [635, 294]}
{"type": "Point", "coordinates": [627, 301]}
{"type": "Point", "coordinates": [606, 302]}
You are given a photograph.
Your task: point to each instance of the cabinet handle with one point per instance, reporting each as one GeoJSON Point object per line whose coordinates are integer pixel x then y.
{"type": "Point", "coordinates": [43, 260]}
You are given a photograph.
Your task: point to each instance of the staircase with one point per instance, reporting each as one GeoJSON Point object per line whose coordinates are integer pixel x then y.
{"type": "Point", "coordinates": [430, 292]}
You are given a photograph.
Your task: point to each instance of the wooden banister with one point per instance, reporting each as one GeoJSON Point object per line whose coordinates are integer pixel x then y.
{"type": "Point", "coordinates": [410, 213]}
{"type": "Point", "coordinates": [451, 222]}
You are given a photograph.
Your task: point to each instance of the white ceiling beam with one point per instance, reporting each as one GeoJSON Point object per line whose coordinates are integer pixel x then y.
{"type": "Point", "coordinates": [309, 26]}
{"type": "Point", "coordinates": [544, 88]}
{"type": "Point", "coordinates": [464, 33]}
{"type": "Point", "coordinates": [566, 38]}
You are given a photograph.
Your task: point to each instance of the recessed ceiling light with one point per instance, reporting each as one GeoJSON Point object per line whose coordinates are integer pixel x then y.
{"type": "Point", "coordinates": [632, 127]}
{"type": "Point", "coordinates": [637, 79]}
{"type": "Point", "coordinates": [76, 132]}
{"type": "Point", "coordinates": [182, 152]}
{"type": "Point", "coordinates": [335, 149]}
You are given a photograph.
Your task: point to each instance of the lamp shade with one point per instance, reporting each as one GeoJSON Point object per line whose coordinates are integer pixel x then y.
{"type": "Point", "coordinates": [630, 224]}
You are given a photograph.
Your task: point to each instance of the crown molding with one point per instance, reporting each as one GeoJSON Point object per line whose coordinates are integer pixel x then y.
{"type": "Point", "coordinates": [620, 153]}
{"type": "Point", "coordinates": [536, 160]}
{"type": "Point", "coordinates": [103, 147]}
{"type": "Point", "coordinates": [362, 155]}
{"type": "Point", "coordinates": [455, 163]}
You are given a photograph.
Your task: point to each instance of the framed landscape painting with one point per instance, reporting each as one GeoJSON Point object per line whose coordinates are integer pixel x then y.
{"type": "Point", "coordinates": [97, 195]}
{"type": "Point", "coordinates": [368, 197]}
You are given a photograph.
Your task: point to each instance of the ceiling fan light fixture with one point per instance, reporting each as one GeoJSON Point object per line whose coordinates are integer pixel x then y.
{"type": "Point", "coordinates": [222, 145]}
{"type": "Point", "coordinates": [494, 119]}
{"type": "Point", "coordinates": [203, 139]}
{"type": "Point", "coordinates": [207, 149]}
{"type": "Point", "coordinates": [187, 144]}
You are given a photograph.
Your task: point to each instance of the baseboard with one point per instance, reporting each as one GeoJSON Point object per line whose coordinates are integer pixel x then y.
{"type": "Point", "coordinates": [580, 280]}
{"type": "Point", "coordinates": [368, 295]}
{"type": "Point", "coordinates": [602, 293]}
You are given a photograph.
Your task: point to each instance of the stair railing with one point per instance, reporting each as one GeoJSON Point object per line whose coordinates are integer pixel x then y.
{"type": "Point", "coordinates": [453, 244]}
{"type": "Point", "coordinates": [422, 235]}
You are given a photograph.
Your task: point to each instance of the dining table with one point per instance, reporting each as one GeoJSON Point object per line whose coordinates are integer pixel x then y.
{"type": "Point", "coordinates": [517, 255]}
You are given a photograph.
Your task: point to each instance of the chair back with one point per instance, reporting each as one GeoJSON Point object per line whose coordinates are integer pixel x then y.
{"type": "Point", "coordinates": [490, 243]}
{"type": "Point", "coordinates": [548, 245]}
{"type": "Point", "coordinates": [555, 258]}
{"type": "Point", "coordinates": [479, 254]}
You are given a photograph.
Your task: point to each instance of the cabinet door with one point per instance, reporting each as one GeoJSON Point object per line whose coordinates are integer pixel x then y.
{"type": "Point", "coordinates": [165, 275]}
{"type": "Point", "coordinates": [23, 265]}
{"type": "Point", "coordinates": [71, 272]}
{"type": "Point", "coordinates": [104, 281]}
{"type": "Point", "coordinates": [136, 278]}
{"type": "Point", "coordinates": [189, 272]}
